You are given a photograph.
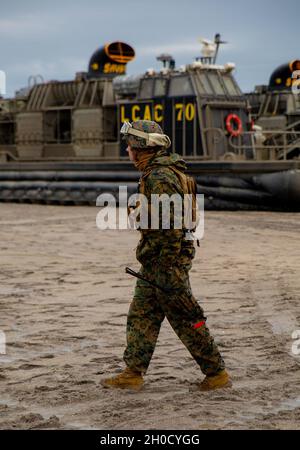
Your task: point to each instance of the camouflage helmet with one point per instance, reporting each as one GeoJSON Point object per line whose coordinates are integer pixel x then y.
{"type": "Point", "coordinates": [145, 126]}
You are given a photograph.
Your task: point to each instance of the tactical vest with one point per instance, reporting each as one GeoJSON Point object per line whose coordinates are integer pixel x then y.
{"type": "Point", "coordinates": [188, 185]}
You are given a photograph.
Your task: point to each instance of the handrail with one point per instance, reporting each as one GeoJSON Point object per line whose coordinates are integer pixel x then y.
{"type": "Point", "coordinates": [287, 128]}
{"type": "Point", "coordinates": [259, 142]}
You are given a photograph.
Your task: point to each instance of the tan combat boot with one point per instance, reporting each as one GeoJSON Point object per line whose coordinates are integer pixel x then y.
{"type": "Point", "coordinates": [128, 379]}
{"type": "Point", "coordinates": [221, 380]}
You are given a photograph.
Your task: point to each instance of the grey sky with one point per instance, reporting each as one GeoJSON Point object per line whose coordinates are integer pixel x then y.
{"type": "Point", "coordinates": [57, 38]}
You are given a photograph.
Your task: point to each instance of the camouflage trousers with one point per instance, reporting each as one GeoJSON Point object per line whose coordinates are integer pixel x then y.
{"type": "Point", "coordinates": [149, 308]}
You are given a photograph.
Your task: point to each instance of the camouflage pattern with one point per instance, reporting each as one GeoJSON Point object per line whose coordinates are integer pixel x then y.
{"type": "Point", "coordinates": [159, 179]}
{"type": "Point", "coordinates": [166, 259]}
{"type": "Point", "coordinates": [148, 126]}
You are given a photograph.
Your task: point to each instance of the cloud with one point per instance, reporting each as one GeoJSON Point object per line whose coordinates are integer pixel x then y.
{"type": "Point", "coordinates": [18, 73]}
{"type": "Point", "coordinates": [57, 38]}
{"type": "Point", "coordinates": [25, 25]}
{"type": "Point", "coordinates": [49, 68]}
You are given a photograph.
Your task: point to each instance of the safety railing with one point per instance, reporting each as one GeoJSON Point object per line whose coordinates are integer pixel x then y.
{"type": "Point", "coordinates": [267, 144]}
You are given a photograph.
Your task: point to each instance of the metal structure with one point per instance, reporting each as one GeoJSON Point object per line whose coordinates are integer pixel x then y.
{"type": "Point", "coordinates": [59, 141]}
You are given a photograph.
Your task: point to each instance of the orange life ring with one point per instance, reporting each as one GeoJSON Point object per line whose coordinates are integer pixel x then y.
{"type": "Point", "coordinates": [234, 125]}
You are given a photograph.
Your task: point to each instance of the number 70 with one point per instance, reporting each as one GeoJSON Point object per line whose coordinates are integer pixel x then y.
{"type": "Point", "coordinates": [187, 111]}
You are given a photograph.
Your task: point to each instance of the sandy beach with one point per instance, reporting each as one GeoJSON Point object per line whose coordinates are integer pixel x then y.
{"type": "Point", "coordinates": [64, 300]}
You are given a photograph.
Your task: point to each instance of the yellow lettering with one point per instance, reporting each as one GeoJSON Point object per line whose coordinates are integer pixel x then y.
{"type": "Point", "coordinates": [179, 108]}
{"type": "Point", "coordinates": [123, 118]}
{"type": "Point", "coordinates": [157, 117]}
{"type": "Point", "coordinates": [134, 109]}
{"type": "Point", "coordinates": [189, 111]}
{"type": "Point", "coordinates": [106, 68]}
{"type": "Point", "coordinates": [113, 68]}
{"type": "Point", "coordinates": [288, 82]}
{"type": "Point", "coordinates": [147, 113]}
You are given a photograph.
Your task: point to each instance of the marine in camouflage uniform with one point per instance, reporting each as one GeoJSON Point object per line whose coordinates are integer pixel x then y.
{"type": "Point", "coordinates": [166, 258]}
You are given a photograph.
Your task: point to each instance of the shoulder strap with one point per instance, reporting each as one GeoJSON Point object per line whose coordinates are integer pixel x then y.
{"type": "Point", "coordinates": [182, 178]}
{"type": "Point", "coordinates": [189, 186]}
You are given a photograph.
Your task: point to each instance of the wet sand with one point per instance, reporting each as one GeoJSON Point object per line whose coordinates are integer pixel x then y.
{"type": "Point", "coordinates": [64, 300]}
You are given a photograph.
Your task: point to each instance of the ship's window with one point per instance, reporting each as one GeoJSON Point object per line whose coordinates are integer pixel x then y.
{"type": "Point", "coordinates": [215, 81]}
{"type": "Point", "coordinates": [205, 83]}
{"type": "Point", "coordinates": [160, 87]}
{"type": "Point", "coordinates": [231, 87]}
{"type": "Point", "coordinates": [180, 86]}
{"type": "Point", "coordinates": [146, 88]}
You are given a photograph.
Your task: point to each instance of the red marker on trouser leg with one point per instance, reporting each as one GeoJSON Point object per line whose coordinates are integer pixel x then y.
{"type": "Point", "coordinates": [199, 324]}
{"type": "Point", "coordinates": [187, 308]}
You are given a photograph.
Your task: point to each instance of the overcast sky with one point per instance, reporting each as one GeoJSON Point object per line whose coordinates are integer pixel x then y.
{"type": "Point", "coordinates": [56, 38]}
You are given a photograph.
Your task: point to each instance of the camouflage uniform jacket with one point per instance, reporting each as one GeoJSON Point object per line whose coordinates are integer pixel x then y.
{"type": "Point", "coordinates": [163, 247]}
